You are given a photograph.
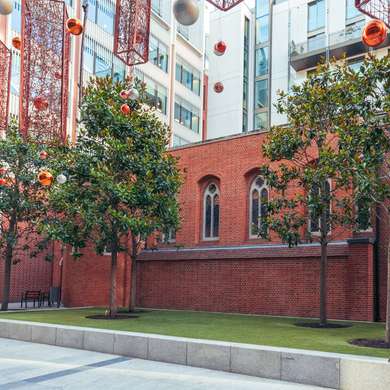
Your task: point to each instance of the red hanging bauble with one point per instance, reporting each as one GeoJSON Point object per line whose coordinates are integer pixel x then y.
{"type": "Point", "coordinates": [374, 33]}
{"type": "Point", "coordinates": [45, 178]}
{"type": "Point", "coordinates": [218, 87]}
{"type": "Point", "coordinates": [74, 26]}
{"type": "Point", "coordinates": [220, 48]}
{"type": "Point", "coordinates": [3, 182]}
{"type": "Point", "coordinates": [126, 110]}
{"type": "Point", "coordinates": [16, 43]}
{"type": "Point", "coordinates": [43, 155]}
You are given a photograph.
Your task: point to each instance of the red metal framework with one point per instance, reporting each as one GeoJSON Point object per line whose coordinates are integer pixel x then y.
{"type": "Point", "coordinates": [377, 9]}
{"type": "Point", "coordinates": [44, 70]}
{"type": "Point", "coordinates": [224, 5]}
{"type": "Point", "coordinates": [132, 28]}
{"type": "Point", "coordinates": [5, 80]}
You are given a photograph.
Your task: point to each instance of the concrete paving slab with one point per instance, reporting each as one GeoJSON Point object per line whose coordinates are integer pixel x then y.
{"type": "Point", "coordinates": [314, 370]}
{"type": "Point", "coordinates": [166, 350]}
{"type": "Point", "coordinates": [96, 371]}
{"type": "Point", "coordinates": [132, 346]}
{"type": "Point", "coordinates": [205, 355]}
{"type": "Point", "coordinates": [256, 362]}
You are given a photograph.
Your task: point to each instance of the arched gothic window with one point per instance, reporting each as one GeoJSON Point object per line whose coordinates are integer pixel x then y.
{"type": "Point", "coordinates": [258, 200]}
{"type": "Point", "coordinates": [211, 212]}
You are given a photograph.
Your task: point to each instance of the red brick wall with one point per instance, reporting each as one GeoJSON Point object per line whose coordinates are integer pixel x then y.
{"type": "Point", "coordinates": [28, 274]}
{"type": "Point", "coordinates": [267, 281]}
{"type": "Point", "coordinates": [86, 281]}
{"type": "Point", "coordinates": [280, 283]}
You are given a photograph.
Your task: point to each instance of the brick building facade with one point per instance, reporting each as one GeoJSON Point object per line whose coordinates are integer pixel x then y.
{"type": "Point", "coordinates": [235, 272]}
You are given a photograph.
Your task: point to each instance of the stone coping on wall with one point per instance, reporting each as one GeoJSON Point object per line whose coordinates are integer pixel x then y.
{"type": "Point", "coordinates": [335, 371]}
{"type": "Point", "coordinates": [262, 251]}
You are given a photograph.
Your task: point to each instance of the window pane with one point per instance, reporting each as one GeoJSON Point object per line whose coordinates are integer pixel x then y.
{"type": "Point", "coordinates": [261, 61]}
{"type": "Point", "coordinates": [207, 232]}
{"type": "Point", "coordinates": [262, 28]}
{"type": "Point", "coordinates": [317, 42]}
{"type": "Point", "coordinates": [105, 16]}
{"type": "Point", "coordinates": [16, 17]}
{"type": "Point", "coordinates": [352, 11]}
{"type": "Point", "coordinates": [255, 212]}
{"type": "Point", "coordinates": [261, 120]}
{"type": "Point", "coordinates": [92, 11]}
{"type": "Point", "coordinates": [264, 202]}
{"type": "Point", "coordinates": [216, 217]}
{"type": "Point", "coordinates": [261, 93]}
{"type": "Point", "coordinates": [316, 15]}
{"type": "Point", "coordinates": [262, 7]}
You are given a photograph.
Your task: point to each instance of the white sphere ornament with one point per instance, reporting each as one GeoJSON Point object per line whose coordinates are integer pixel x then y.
{"type": "Point", "coordinates": [133, 94]}
{"type": "Point", "coordinates": [6, 7]}
{"type": "Point", "coordinates": [61, 179]}
{"type": "Point", "coordinates": [186, 11]}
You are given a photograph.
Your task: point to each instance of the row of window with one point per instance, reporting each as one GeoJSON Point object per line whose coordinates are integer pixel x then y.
{"type": "Point", "coordinates": [156, 93]}
{"type": "Point", "coordinates": [258, 209]}
{"type": "Point", "coordinates": [101, 62]}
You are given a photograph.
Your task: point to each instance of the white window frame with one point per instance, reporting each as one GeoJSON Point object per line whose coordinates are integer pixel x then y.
{"type": "Point", "coordinates": [206, 193]}
{"type": "Point", "coordinates": [318, 233]}
{"type": "Point", "coordinates": [259, 189]}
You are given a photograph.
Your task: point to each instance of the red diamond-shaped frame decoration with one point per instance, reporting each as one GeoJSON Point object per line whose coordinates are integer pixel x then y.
{"type": "Point", "coordinates": [132, 28]}
{"type": "Point", "coordinates": [5, 81]}
{"type": "Point", "coordinates": [225, 5]}
{"type": "Point", "coordinates": [377, 9]}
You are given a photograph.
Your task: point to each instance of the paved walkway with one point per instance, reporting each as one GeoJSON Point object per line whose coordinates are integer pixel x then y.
{"type": "Point", "coordinates": [37, 367]}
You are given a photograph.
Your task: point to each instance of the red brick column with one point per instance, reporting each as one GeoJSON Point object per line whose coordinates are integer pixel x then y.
{"type": "Point", "coordinates": [360, 279]}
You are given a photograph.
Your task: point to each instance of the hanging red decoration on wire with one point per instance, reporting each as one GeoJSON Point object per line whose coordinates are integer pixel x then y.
{"type": "Point", "coordinates": [16, 43]}
{"type": "Point", "coordinates": [225, 5]}
{"type": "Point", "coordinates": [5, 80]}
{"type": "Point", "coordinates": [374, 33]}
{"type": "Point", "coordinates": [220, 48]}
{"type": "Point", "coordinates": [218, 87]}
{"type": "Point", "coordinates": [44, 70]}
{"type": "Point", "coordinates": [376, 9]}
{"type": "Point", "coordinates": [74, 26]}
{"type": "Point", "coordinates": [132, 28]}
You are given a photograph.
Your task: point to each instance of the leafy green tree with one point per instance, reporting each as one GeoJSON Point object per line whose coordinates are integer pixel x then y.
{"type": "Point", "coordinates": [372, 183]}
{"type": "Point", "coordinates": [23, 202]}
{"type": "Point", "coordinates": [121, 185]}
{"type": "Point", "coordinates": [316, 173]}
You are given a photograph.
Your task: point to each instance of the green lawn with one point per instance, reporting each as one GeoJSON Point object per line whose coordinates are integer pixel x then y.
{"type": "Point", "coordinates": [279, 332]}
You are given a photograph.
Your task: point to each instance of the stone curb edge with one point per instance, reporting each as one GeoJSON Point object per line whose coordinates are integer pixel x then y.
{"type": "Point", "coordinates": [333, 371]}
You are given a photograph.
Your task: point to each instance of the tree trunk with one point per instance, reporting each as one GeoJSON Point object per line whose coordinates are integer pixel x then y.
{"type": "Point", "coordinates": [324, 228]}
{"type": "Point", "coordinates": [133, 287]}
{"type": "Point", "coordinates": [387, 331]}
{"type": "Point", "coordinates": [113, 309]}
{"type": "Point", "coordinates": [7, 277]}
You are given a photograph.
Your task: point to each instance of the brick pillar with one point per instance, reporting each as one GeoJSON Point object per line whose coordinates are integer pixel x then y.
{"type": "Point", "coordinates": [361, 274]}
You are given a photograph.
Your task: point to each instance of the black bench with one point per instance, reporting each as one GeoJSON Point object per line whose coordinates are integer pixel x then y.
{"type": "Point", "coordinates": [31, 296]}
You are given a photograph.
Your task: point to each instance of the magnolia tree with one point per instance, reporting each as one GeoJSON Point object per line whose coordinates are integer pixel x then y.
{"type": "Point", "coordinates": [325, 162]}
{"type": "Point", "coordinates": [23, 201]}
{"type": "Point", "coordinates": [121, 183]}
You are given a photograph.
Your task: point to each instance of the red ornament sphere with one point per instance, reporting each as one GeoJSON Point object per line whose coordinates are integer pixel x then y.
{"type": "Point", "coordinates": [218, 87]}
{"type": "Point", "coordinates": [3, 182]}
{"type": "Point", "coordinates": [220, 48]}
{"type": "Point", "coordinates": [126, 110]}
{"type": "Point", "coordinates": [16, 43]}
{"type": "Point", "coordinates": [43, 155]}
{"type": "Point", "coordinates": [74, 26]}
{"type": "Point", "coordinates": [45, 178]}
{"type": "Point", "coordinates": [40, 103]}
{"type": "Point", "coordinates": [374, 33]}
